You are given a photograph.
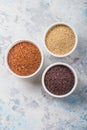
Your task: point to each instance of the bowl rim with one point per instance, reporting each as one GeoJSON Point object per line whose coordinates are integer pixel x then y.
{"type": "Point", "coordinates": [76, 39]}
{"type": "Point", "coordinates": [6, 58]}
{"type": "Point", "coordinates": [75, 76]}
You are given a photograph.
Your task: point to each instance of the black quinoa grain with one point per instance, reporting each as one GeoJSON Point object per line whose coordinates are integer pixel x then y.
{"type": "Point", "coordinates": [59, 80]}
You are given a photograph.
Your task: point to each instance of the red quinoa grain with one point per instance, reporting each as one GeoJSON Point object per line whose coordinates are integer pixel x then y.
{"type": "Point", "coordinates": [24, 58]}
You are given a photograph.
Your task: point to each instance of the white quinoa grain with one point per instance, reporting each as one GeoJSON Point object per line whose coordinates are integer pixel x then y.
{"type": "Point", "coordinates": [60, 39]}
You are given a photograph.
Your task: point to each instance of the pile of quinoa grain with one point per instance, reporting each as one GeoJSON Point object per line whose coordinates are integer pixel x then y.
{"type": "Point", "coordinates": [24, 58]}
{"type": "Point", "coordinates": [60, 39]}
{"type": "Point", "coordinates": [59, 80]}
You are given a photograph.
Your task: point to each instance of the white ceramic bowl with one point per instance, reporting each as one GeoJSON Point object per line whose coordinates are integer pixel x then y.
{"type": "Point", "coordinates": [6, 59]}
{"type": "Point", "coordinates": [76, 40]}
{"type": "Point", "coordinates": [72, 70]}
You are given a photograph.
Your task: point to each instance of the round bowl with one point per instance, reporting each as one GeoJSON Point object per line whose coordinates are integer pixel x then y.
{"type": "Point", "coordinates": [75, 45]}
{"type": "Point", "coordinates": [75, 81]}
{"type": "Point", "coordinates": [6, 59]}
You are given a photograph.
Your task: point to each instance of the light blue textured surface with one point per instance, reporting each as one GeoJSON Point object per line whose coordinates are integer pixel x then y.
{"type": "Point", "coordinates": [23, 103]}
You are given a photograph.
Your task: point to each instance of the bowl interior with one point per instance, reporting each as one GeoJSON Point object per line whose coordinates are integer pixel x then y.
{"type": "Point", "coordinates": [6, 59]}
{"type": "Point", "coordinates": [76, 40]}
{"type": "Point", "coordinates": [74, 74]}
